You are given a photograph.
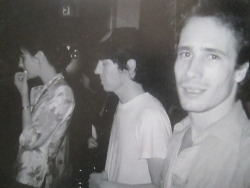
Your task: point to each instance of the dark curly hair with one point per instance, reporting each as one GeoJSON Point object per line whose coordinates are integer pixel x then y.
{"type": "Point", "coordinates": [37, 39]}
{"type": "Point", "coordinates": [124, 44]}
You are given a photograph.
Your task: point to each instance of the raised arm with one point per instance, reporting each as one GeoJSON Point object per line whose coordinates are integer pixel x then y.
{"type": "Point", "coordinates": [52, 119]}
{"type": "Point", "coordinates": [22, 86]}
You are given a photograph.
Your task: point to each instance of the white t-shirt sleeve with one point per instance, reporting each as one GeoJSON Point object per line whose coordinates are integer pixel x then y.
{"type": "Point", "coordinates": [154, 132]}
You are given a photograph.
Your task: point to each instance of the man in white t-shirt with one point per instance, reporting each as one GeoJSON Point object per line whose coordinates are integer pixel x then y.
{"type": "Point", "coordinates": [141, 129]}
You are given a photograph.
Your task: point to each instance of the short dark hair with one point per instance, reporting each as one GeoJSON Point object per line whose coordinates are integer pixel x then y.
{"type": "Point", "coordinates": [232, 14]}
{"type": "Point", "coordinates": [37, 39]}
{"type": "Point", "coordinates": [124, 44]}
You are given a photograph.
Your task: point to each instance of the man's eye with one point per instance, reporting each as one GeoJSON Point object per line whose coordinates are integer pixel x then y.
{"type": "Point", "coordinates": [184, 54]}
{"type": "Point", "coordinates": [213, 57]}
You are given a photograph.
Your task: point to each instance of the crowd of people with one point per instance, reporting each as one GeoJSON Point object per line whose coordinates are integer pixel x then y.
{"type": "Point", "coordinates": [113, 132]}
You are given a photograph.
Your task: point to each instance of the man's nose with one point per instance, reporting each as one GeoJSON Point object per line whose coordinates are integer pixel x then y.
{"type": "Point", "coordinates": [98, 68]}
{"type": "Point", "coordinates": [194, 69]}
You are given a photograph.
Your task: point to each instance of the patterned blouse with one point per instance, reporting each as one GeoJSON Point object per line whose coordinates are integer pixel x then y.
{"type": "Point", "coordinates": [44, 143]}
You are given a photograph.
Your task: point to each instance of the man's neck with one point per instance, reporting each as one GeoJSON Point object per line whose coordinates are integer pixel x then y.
{"type": "Point", "coordinates": [129, 91]}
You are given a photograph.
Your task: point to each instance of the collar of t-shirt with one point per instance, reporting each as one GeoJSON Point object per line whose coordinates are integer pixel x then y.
{"type": "Point", "coordinates": [133, 101]}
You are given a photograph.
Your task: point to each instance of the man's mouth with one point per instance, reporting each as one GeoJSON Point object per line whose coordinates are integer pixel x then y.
{"type": "Point", "coordinates": [192, 91]}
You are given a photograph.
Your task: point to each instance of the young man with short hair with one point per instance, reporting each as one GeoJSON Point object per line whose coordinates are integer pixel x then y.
{"type": "Point", "coordinates": [210, 148]}
{"type": "Point", "coordinates": [141, 128]}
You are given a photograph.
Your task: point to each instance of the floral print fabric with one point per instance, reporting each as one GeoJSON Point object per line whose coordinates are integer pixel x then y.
{"type": "Point", "coordinates": [44, 143]}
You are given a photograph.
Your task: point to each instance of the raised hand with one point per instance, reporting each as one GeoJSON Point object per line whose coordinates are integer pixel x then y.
{"type": "Point", "coordinates": [21, 82]}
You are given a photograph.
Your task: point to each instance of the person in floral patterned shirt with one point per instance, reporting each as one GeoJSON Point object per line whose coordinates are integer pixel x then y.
{"type": "Point", "coordinates": [43, 143]}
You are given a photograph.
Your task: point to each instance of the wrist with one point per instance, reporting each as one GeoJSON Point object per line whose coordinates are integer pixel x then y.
{"type": "Point", "coordinates": [25, 101]}
{"type": "Point", "coordinates": [24, 94]}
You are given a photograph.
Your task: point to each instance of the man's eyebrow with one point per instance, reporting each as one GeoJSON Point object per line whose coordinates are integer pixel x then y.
{"type": "Point", "coordinates": [181, 48]}
{"type": "Point", "coordinates": [214, 50]}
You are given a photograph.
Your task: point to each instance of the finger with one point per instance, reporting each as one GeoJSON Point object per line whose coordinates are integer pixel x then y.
{"type": "Point", "coordinates": [18, 78]}
{"type": "Point", "coordinates": [92, 146]}
{"type": "Point", "coordinates": [92, 139]}
{"type": "Point", "coordinates": [25, 76]}
{"type": "Point", "coordinates": [92, 142]}
{"type": "Point", "coordinates": [17, 75]}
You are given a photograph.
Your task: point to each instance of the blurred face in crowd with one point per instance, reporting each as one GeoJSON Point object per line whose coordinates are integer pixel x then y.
{"type": "Point", "coordinates": [205, 70]}
{"type": "Point", "coordinates": [73, 66]}
{"type": "Point", "coordinates": [112, 78]}
{"type": "Point", "coordinates": [29, 63]}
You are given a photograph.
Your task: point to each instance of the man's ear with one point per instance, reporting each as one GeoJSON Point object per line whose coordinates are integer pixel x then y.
{"type": "Point", "coordinates": [241, 72]}
{"type": "Point", "coordinates": [40, 56]}
{"type": "Point", "coordinates": [131, 64]}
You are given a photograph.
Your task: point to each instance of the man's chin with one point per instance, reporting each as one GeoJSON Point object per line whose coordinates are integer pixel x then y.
{"type": "Point", "coordinates": [194, 107]}
{"type": "Point", "coordinates": [106, 89]}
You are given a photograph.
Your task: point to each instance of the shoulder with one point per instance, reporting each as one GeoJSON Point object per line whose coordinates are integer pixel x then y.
{"type": "Point", "coordinates": [62, 88]}
{"type": "Point", "coordinates": [152, 113]}
{"type": "Point", "coordinates": [245, 139]}
{"type": "Point", "coordinates": [62, 95]}
{"type": "Point", "coordinates": [154, 117]}
{"type": "Point", "coordinates": [151, 104]}
{"type": "Point", "coordinates": [151, 109]}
